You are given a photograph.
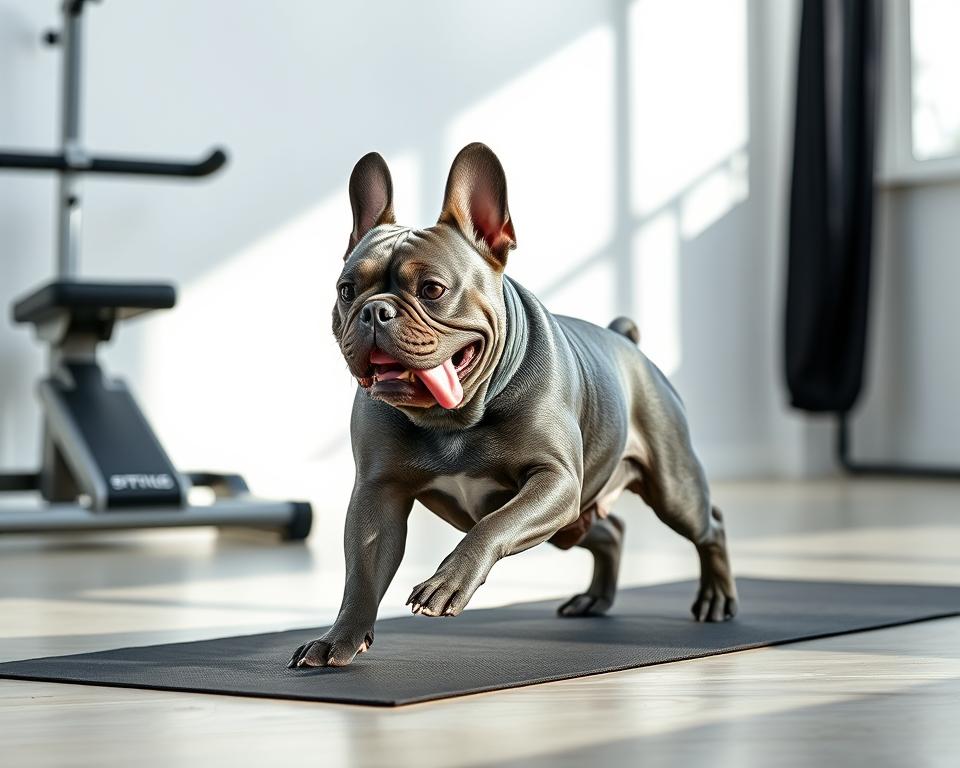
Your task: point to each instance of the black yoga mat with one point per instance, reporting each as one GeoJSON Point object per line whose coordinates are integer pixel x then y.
{"type": "Point", "coordinates": [418, 659]}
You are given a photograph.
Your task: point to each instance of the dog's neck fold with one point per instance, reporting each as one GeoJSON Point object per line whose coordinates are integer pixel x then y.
{"type": "Point", "coordinates": [515, 345]}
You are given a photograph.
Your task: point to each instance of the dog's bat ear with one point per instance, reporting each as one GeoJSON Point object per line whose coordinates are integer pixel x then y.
{"type": "Point", "coordinates": [476, 202]}
{"type": "Point", "coordinates": [371, 197]}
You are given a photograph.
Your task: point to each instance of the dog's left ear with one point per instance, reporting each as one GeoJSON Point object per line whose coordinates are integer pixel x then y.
{"type": "Point", "coordinates": [371, 197]}
{"type": "Point", "coordinates": [476, 202]}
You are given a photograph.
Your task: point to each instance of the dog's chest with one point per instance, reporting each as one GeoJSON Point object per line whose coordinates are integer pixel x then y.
{"type": "Point", "coordinates": [462, 499]}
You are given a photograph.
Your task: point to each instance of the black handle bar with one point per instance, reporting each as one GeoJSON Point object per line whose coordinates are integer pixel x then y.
{"type": "Point", "coordinates": [129, 166]}
{"type": "Point", "coordinates": [75, 7]}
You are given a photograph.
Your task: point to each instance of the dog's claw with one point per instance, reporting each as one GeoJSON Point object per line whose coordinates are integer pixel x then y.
{"type": "Point", "coordinates": [295, 659]}
{"type": "Point", "coordinates": [298, 655]}
{"type": "Point", "coordinates": [416, 595]}
{"type": "Point", "coordinates": [445, 596]}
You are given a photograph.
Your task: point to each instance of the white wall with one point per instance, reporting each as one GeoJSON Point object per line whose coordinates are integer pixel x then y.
{"type": "Point", "coordinates": [645, 145]}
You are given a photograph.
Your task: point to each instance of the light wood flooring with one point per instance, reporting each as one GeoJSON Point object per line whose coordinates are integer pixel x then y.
{"type": "Point", "coordinates": [883, 698]}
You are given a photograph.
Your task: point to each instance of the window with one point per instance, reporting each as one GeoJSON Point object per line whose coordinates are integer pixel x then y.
{"type": "Point", "coordinates": [920, 118]}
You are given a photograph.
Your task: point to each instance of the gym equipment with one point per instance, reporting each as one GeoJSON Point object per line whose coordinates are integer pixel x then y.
{"type": "Point", "coordinates": [102, 465]}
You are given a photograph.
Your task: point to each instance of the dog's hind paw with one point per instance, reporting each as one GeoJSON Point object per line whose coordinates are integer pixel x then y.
{"type": "Point", "coordinates": [717, 596]}
{"type": "Point", "coordinates": [585, 605]}
{"type": "Point", "coordinates": [715, 602]}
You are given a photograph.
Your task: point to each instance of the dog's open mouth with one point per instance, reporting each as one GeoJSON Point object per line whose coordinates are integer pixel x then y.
{"type": "Point", "coordinates": [443, 382]}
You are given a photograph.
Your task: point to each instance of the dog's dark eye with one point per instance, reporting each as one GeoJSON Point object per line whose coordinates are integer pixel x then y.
{"type": "Point", "coordinates": [347, 292]}
{"type": "Point", "coordinates": [432, 290]}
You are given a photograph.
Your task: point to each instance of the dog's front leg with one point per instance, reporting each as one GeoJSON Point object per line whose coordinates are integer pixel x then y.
{"type": "Point", "coordinates": [548, 500]}
{"type": "Point", "coordinates": [374, 538]}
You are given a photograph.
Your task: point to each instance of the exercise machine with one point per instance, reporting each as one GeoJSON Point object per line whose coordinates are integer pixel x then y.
{"type": "Point", "coordinates": [102, 466]}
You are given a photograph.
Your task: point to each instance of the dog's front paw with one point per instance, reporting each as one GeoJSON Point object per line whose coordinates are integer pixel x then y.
{"type": "Point", "coordinates": [448, 591]}
{"type": "Point", "coordinates": [336, 648]}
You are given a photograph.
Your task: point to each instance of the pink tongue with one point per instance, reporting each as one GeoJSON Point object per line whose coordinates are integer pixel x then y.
{"type": "Point", "coordinates": [442, 381]}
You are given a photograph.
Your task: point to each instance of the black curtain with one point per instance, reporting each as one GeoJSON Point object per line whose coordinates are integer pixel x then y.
{"type": "Point", "coordinates": [831, 203]}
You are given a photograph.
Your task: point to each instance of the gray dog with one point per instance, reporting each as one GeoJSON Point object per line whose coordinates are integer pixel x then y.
{"type": "Point", "coordinates": [514, 425]}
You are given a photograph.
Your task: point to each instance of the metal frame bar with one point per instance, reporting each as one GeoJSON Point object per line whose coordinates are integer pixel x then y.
{"type": "Point", "coordinates": [127, 166]}
{"type": "Point", "coordinates": [62, 431]}
{"type": "Point", "coordinates": [233, 507]}
{"type": "Point", "coordinates": [69, 209]}
{"type": "Point", "coordinates": [280, 516]}
{"type": "Point", "coordinates": [892, 469]}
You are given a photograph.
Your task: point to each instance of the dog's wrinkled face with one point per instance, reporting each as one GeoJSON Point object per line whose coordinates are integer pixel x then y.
{"type": "Point", "coordinates": [419, 315]}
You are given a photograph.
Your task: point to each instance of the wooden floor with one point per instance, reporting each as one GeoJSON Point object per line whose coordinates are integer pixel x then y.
{"type": "Point", "coordinates": [882, 698]}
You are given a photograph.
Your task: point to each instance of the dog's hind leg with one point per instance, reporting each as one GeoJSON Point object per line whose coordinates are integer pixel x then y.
{"type": "Point", "coordinates": [685, 507]}
{"type": "Point", "coordinates": [604, 541]}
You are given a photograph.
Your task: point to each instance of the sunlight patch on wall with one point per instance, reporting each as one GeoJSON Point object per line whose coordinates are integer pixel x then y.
{"type": "Point", "coordinates": [656, 269]}
{"type": "Point", "coordinates": [713, 196]}
{"type": "Point", "coordinates": [245, 374]}
{"type": "Point", "coordinates": [552, 128]}
{"type": "Point", "coordinates": [589, 295]}
{"type": "Point", "coordinates": [688, 93]}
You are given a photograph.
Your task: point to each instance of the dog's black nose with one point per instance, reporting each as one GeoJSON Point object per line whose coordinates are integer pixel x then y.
{"type": "Point", "coordinates": [381, 312]}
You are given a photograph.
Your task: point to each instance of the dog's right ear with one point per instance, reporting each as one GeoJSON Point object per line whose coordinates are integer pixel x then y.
{"type": "Point", "coordinates": [371, 197]}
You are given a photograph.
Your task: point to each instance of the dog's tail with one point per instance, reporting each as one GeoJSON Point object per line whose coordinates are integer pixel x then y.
{"type": "Point", "coordinates": [625, 327]}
